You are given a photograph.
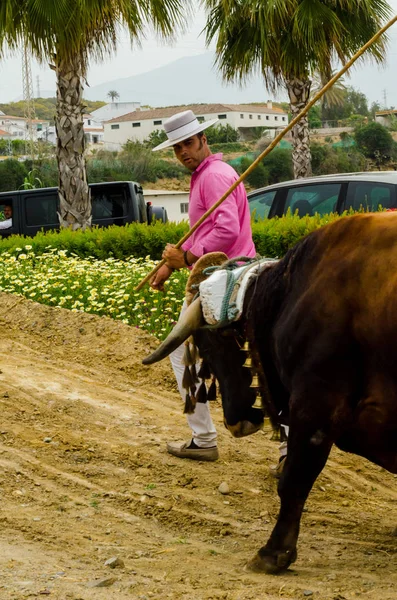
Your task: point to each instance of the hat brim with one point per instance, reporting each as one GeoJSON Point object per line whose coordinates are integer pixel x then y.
{"type": "Point", "coordinates": [170, 143]}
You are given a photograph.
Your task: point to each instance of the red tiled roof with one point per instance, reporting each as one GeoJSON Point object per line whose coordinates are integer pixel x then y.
{"type": "Point", "coordinates": [23, 119]}
{"type": "Point", "coordinates": [2, 132]}
{"type": "Point", "coordinates": [198, 109]}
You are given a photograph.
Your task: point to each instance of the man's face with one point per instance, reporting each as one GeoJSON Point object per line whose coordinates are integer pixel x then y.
{"type": "Point", "coordinates": [192, 152]}
{"type": "Point", "coordinates": [7, 212]}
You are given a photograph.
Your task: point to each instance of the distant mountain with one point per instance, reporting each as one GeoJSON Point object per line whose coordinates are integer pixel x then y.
{"type": "Point", "coordinates": [43, 94]}
{"type": "Point", "coordinates": [188, 80]}
{"type": "Point", "coordinates": [194, 79]}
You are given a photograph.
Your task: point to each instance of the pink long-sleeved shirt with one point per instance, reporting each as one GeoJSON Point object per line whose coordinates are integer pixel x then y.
{"type": "Point", "coordinates": [228, 228]}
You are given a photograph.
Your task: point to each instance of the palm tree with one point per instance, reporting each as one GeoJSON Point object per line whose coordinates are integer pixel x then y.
{"type": "Point", "coordinates": [113, 95]}
{"type": "Point", "coordinates": [287, 41]}
{"type": "Point", "coordinates": [335, 96]}
{"type": "Point", "coordinates": [69, 34]}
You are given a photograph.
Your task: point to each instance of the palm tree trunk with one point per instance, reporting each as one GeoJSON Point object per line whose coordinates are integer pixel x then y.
{"type": "Point", "coordinates": [299, 92]}
{"type": "Point", "coordinates": [74, 193]}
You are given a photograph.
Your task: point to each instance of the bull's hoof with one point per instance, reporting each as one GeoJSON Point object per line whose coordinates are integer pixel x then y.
{"type": "Point", "coordinates": [268, 561]}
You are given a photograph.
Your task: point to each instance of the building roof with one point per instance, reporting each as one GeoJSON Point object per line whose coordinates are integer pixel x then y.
{"type": "Point", "coordinates": [12, 117]}
{"type": "Point", "coordinates": [198, 109]}
{"type": "Point", "coordinates": [2, 132]}
{"type": "Point", "coordinates": [23, 119]}
{"type": "Point", "coordinates": [391, 111]}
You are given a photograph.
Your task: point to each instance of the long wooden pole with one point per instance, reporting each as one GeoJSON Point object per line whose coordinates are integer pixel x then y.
{"type": "Point", "coordinates": [274, 143]}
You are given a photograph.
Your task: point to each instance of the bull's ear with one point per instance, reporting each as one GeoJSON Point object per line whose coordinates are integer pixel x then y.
{"type": "Point", "coordinates": [191, 320]}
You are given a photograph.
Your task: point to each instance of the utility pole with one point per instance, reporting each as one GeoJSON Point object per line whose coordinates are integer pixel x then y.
{"type": "Point", "coordinates": [29, 111]}
{"type": "Point", "coordinates": [384, 99]}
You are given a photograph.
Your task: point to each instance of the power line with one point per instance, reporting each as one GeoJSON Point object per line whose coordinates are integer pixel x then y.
{"type": "Point", "coordinates": [384, 98]}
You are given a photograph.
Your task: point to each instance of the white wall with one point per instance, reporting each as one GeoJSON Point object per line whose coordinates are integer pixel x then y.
{"type": "Point", "coordinates": [116, 134]}
{"type": "Point", "coordinates": [383, 120]}
{"type": "Point", "coordinates": [171, 201]}
{"type": "Point", "coordinates": [251, 119]}
{"type": "Point", "coordinates": [17, 129]}
{"type": "Point", "coordinates": [114, 109]}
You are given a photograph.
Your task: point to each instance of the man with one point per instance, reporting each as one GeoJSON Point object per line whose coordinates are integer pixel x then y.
{"type": "Point", "coordinates": [227, 229]}
{"type": "Point", "coordinates": [7, 223]}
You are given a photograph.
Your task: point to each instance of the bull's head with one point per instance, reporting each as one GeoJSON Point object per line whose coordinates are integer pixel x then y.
{"type": "Point", "coordinates": [221, 350]}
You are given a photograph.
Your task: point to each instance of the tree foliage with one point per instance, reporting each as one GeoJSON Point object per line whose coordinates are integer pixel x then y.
{"type": "Point", "coordinates": [221, 134]}
{"type": "Point", "coordinates": [44, 108]}
{"type": "Point", "coordinates": [375, 142]}
{"type": "Point", "coordinates": [353, 102]}
{"type": "Point", "coordinates": [288, 41]}
{"type": "Point", "coordinates": [12, 174]}
{"type": "Point", "coordinates": [70, 35]}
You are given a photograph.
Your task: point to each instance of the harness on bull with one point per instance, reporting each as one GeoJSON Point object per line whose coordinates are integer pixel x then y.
{"type": "Point", "coordinates": [222, 289]}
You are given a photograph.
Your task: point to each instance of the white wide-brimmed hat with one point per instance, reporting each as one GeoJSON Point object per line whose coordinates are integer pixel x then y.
{"type": "Point", "coordinates": [182, 126]}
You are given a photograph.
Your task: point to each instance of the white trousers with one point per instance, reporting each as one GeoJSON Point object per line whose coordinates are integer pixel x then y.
{"type": "Point", "coordinates": [200, 422]}
{"type": "Point", "coordinates": [284, 445]}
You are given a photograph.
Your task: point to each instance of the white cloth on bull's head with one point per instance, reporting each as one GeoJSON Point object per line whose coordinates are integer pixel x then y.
{"type": "Point", "coordinates": [222, 293]}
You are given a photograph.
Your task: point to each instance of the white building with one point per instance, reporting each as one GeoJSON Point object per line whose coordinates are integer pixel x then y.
{"type": "Point", "coordinates": [386, 117]}
{"type": "Point", "coordinates": [138, 125]}
{"type": "Point", "coordinates": [176, 203]}
{"type": "Point", "coordinates": [16, 128]}
{"type": "Point", "coordinates": [93, 129]}
{"type": "Point", "coordinates": [113, 110]}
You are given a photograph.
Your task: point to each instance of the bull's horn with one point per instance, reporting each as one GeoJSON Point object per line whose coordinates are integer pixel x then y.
{"type": "Point", "coordinates": [190, 321]}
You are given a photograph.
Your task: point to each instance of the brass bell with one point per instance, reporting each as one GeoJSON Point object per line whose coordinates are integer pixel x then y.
{"type": "Point", "coordinates": [248, 362]}
{"type": "Point", "coordinates": [255, 381]}
{"type": "Point", "coordinates": [258, 402]}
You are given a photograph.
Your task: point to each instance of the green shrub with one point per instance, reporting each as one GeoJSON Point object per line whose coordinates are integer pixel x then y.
{"type": "Point", "coordinates": [278, 165]}
{"type": "Point", "coordinates": [221, 134]}
{"type": "Point", "coordinates": [275, 167]}
{"type": "Point", "coordinates": [229, 147]}
{"type": "Point", "coordinates": [135, 239]}
{"type": "Point", "coordinates": [12, 174]}
{"type": "Point", "coordinates": [272, 237]}
{"type": "Point", "coordinates": [375, 142]}
{"type": "Point", "coordinates": [327, 160]}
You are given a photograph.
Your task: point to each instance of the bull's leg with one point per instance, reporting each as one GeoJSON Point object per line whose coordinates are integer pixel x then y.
{"type": "Point", "coordinates": [308, 451]}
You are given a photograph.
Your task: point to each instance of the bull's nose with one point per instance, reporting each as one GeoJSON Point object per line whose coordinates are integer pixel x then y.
{"type": "Point", "coordinates": [243, 428]}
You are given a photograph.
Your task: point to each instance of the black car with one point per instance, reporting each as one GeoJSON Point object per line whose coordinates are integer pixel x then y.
{"type": "Point", "coordinates": [113, 203]}
{"type": "Point", "coordinates": [326, 194]}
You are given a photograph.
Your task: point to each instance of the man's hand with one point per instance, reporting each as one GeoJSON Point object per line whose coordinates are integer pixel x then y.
{"type": "Point", "coordinates": [158, 279]}
{"type": "Point", "coordinates": [173, 256]}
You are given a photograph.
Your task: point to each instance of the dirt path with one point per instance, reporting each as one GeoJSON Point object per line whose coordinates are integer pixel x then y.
{"type": "Point", "coordinates": [85, 477]}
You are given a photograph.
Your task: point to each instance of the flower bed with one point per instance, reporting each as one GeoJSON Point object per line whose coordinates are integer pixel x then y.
{"type": "Point", "coordinates": [103, 287]}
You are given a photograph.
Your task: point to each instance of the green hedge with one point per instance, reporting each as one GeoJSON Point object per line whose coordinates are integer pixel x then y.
{"type": "Point", "coordinates": [272, 237]}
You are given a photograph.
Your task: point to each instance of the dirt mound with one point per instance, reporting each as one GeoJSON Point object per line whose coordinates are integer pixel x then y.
{"type": "Point", "coordinates": [85, 477]}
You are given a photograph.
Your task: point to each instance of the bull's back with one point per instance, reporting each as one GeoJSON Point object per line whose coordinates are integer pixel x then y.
{"type": "Point", "coordinates": [341, 291]}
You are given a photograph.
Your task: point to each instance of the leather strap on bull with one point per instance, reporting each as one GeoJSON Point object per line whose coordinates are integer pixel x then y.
{"type": "Point", "coordinates": [222, 285]}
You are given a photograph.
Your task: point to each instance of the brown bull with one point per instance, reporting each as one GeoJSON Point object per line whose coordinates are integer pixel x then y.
{"type": "Point", "coordinates": [322, 324]}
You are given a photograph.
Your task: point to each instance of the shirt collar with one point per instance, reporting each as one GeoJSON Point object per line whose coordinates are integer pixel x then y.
{"type": "Point", "coordinates": [211, 158]}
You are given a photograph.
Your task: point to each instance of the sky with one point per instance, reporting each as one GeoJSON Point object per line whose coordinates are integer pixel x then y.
{"type": "Point", "coordinates": [378, 83]}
